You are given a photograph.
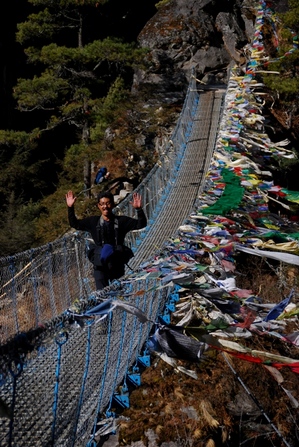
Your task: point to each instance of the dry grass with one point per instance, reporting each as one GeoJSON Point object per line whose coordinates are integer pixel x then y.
{"type": "Point", "coordinates": [216, 410]}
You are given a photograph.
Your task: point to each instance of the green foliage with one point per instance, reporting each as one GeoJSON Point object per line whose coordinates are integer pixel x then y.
{"type": "Point", "coordinates": [162, 3]}
{"type": "Point", "coordinates": [40, 92]}
{"type": "Point", "coordinates": [73, 78]}
{"type": "Point", "coordinates": [285, 62]}
{"type": "Point", "coordinates": [15, 156]}
{"type": "Point", "coordinates": [115, 52]}
{"type": "Point", "coordinates": [290, 18]}
{"type": "Point", "coordinates": [286, 86]}
{"type": "Point", "coordinates": [54, 17]}
{"type": "Point", "coordinates": [17, 231]}
{"type": "Point", "coordinates": [76, 90]}
{"type": "Point", "coordinates": [53, 220]}
{"type": "Point", "coordinates": [117, 93]}
{"type": "Point", "coordinates": [10, 140]}
{"type": "Point", "coordinates": [37, 25]}
{"type": "Point", "coordinates": [74, 160]}
{"type": "Point", "coordinates": [288, 164]}
{"type": "Point", "coordinates": [55, 56]}
{"type": "Point", "coordinates": [106, 110]}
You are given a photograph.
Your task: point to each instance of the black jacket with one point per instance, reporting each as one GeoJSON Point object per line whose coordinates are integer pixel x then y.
{"type": "Point", "coordinates": [125, 224]}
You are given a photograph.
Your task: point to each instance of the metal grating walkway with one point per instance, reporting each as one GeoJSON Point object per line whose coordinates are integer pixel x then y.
{"type": "Point", "coordinates": [190, 178]}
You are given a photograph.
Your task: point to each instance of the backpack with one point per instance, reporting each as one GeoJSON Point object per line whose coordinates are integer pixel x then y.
{"type": "Point", "coordinates": [100, 174]}
{"type": "Point", "coordinates": [107, 254]}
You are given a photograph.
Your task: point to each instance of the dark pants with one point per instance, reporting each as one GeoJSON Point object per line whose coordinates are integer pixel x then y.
{"type": "Point", "coordinates": [101, 279]}
{"type": "Point", "coordinates": [102, 275]}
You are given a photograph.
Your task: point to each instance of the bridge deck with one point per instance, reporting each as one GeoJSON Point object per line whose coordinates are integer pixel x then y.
{"type": "Point", "coordinates": [190, 178]}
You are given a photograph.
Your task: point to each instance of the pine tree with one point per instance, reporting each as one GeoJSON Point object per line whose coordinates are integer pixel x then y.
{"type": "Point", "coordinates": [285, 61]}
{"type": "Point", "coordinates": [73, 73]}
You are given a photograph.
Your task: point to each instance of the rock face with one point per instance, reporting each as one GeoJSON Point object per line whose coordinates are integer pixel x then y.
{"type": "Point", "coordinates": [205, 36]}
{"type": "Point", "coordinates": [199, 37]}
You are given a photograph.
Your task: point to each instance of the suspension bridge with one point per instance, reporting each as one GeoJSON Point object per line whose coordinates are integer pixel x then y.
{"type": "Point", "coordinates": [58, 378]}
{"type": "Point", "coordinates": [61, 376]}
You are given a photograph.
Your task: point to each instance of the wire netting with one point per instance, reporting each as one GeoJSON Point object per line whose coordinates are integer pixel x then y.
{"type": "Point", "coordinates": [57, 377]}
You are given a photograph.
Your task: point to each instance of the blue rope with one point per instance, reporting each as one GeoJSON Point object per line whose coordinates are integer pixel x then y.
{"type": "Point", "coordinates": [110, 317]}
{"type": "Point", "coordinates": [35, 293]}
{"type": "Point", "coordinates": [149, 324]}
{"type": "Point", "coordinates": [57, 374]}
{"type": "Point", "coordinates": [87, 360]}
{"type": "Point", "coordinates": [50, 275]}
{"type": "Point", "coordinates": [145, 298]}
{"type": "Point", "coordinates": [119, 358]}
{"type": "Point", "coordinates": [65, 273]}
{"type": "Point", "coordinates": [13, 295]}
{"type": "Point", "coordinates": [132, 336]}
{"type": "Point", "coordinates": [13, 403]}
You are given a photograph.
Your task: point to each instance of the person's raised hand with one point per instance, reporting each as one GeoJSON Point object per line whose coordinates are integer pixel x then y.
{"type": "Point", "coordinates": [136, 202]}
{"type": "Point", "coordinates": [70, 198]}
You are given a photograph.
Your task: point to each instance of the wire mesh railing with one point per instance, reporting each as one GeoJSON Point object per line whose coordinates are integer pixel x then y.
{"type": "Point", "coordinates": [57, 377]}
{"type": "Point", "coordinates": [157, 184]}
{"type": "Point", "coordinates": [62, 378]}
{"type": "Point", "coordinates": [37, 285]}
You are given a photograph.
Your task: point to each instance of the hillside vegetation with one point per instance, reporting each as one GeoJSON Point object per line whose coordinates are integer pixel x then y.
{"type": "Point", "coordinates": [75, 111]}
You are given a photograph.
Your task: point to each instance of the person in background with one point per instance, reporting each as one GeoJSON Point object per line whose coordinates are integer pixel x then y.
{"type": "Point", "coordinates": [108, 232]}
{"type": "Point", "coordinates": [100, 175]}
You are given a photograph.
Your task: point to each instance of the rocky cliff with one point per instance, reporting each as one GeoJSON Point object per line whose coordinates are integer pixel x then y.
{"type": "Point", "coordinates": [201, 35]}
{"type": "Point", "coordinates": [204, 38]}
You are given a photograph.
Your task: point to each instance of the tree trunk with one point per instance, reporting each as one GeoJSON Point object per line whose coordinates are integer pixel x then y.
{"type": "Point", "coordinates": [87, 164]}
